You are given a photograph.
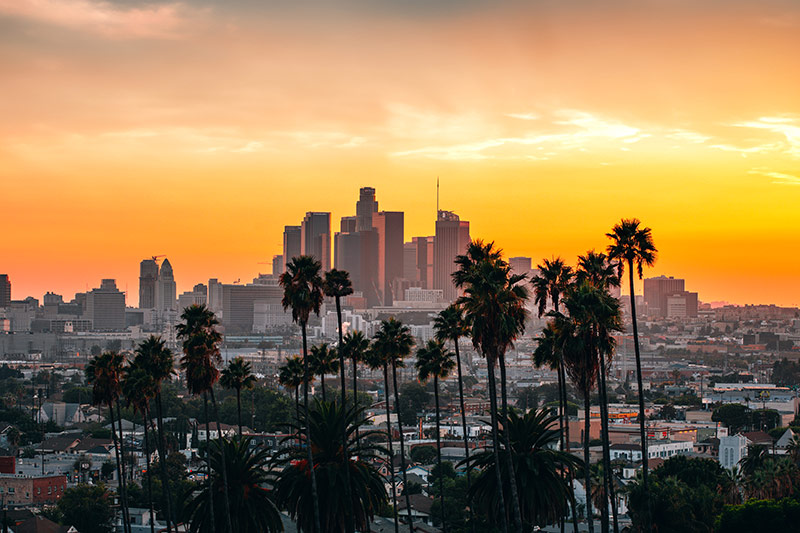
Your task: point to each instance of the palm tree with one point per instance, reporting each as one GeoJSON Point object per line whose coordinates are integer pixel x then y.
{"type": "Point", "coordinates": [339, 509]}
{"type": "Point", "coordinates": [633, 244]}
{"type": "Point", "coordinates": [449, 325]}
{"type": "Point", "coordinates": [252, 509]}
{"type": "Point", "coordinates": [291, 376]}
{"type": "Point", "coordinates": [544, 492]}
{"type": "Point", "coordinates": [393, 342]}
{"type": "Point", "coordinates": [238, 375]}
{"type": "Point", "coordinates": [302, 291]}
{"type": "Point", "coordinates": [153, 355]}
{"type": "Point", "coordinates": [200, 357]}
{"type": "Point", "coordinates": [324, 361]}
{"type": "Point", "coordinates": [354, 347]}
{"type": "Point", "coordinates": [103, 373]}
{"type": "Point", "coordinates": [433, 360]}
{"type": "Point", "coordinates": [138, 387]}
{"type": "Point", "coordinates": [494, 306]}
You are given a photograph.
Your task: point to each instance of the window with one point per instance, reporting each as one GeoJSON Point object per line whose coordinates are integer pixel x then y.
{"type": "Point", "coordinates": [11, 490]}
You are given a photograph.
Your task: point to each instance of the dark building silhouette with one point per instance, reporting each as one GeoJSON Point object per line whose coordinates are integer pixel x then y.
{"type": "Point", "coordinates": [315, 237]}
{"type": "Point", "coordinates": [291, 244]}
{"type": "Point", "coordinates": [5, 290]}
{"type": "Point", "coordinates": [390, 228]}
{"type": "Point", "coordinates": [105, 307]}
{"type": "Point", "coordinates": [452, 239]}
{"type": "Point", "coordinates": [148, 277]}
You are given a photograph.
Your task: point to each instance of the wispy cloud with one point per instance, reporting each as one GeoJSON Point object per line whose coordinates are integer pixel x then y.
{"type": "Point", "coordinates": [785, 127]}
{"type": "Point", "coordinates": [523, 116]}
{"type": "Point", "coordinates": [779, 178]}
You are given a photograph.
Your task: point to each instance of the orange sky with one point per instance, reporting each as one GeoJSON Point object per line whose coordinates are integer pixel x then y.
{"type": "Point", "coordinates": [198, 129]}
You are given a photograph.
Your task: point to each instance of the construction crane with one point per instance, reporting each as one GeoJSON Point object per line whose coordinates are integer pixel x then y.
{"type": "Point", "coordinates": [155, 257]}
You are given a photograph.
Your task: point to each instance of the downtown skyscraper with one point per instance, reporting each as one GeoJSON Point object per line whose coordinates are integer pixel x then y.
{"type": "Point", "coordinates": [452, 239]}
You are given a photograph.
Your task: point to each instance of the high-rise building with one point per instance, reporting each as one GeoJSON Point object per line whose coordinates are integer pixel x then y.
{"type": "Point", "coordinates": [277, 265]}
{"type": "Point", "coordinates": [240, 302]}
{"type": "Point", "coordinates": [166, 290]}
{"type": "Point", "coordinates": [390, 228]}
{"type": "Point", "coordinates": [348, 225]}
{"type": "Point", "coordinates": [452, 239]}
{"type": "Point", "coordinates": [410, 271]}
{"type": "Point", "coordinates": [148, 277]}
{"type": "Point", "coordinates": [656, 291]}
{"type": "Point", "coordinates": [291, 244]}
{"type": "Point", "coordinates": [315, 237]}
{"type": "Point", "coordinates": [105, 307]}
{"type": "Point", "coordinates": [214, 298]}
{"type": "Point", "coordinates": [366, 207]}
{"type": "Point", "coordinates": [5, 290]}
{"type": "Point", "coordinates": [520, 265]}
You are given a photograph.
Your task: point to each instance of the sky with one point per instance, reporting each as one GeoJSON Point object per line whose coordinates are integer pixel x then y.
{"type": "Point", "coordinates": [199, 129]}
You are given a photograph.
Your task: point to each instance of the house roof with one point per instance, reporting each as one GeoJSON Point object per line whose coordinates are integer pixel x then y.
{"type": "Point", "coordinates": [89, 443]}
{"type": "Point", "coordinates": [627, 447]}
{"type": "Point", "coordinates": [758, 437]}
{"type": "Point", "coordinates": [40, 524]}
{"type": "Point", "coordinates": [59, 444]}
{"type": "Point", "coordinates": [419, 502]}
{"type": "Point", "coordinates": [785, 439]}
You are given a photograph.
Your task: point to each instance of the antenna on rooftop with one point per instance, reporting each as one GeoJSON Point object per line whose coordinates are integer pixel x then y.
{"type": "Point", "coordinates": [437, 197]}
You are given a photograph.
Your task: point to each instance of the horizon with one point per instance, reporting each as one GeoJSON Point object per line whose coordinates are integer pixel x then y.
{"type": "Point", "coordinates": [198, 131]}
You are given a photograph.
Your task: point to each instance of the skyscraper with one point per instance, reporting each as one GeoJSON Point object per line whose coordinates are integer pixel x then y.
{"type": "Point", "coordinates": [390, 228]}
{"type": "Point", "coordinates": [5, 290]}
{"type": "Point", "coordinates": [148, 276]}
{"type": "Point", "coordinates": [452, 238]}
{"type": "Point", "coordinates": [315, 237]}
{"type": "Point", "coordinates": [105, 307]}
{"type": "Point", "coordinates": [277, 265]}
{"type": "Point", "coordinates": [166, 291]}
{"type": "Point", "coordinates": [366, 207]}
{"type": "Point", "coordinates": [656, 291]}
{"type": "Point", "coordinates": [291, 244]}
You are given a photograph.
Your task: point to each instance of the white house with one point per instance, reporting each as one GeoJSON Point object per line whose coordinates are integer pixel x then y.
{"type": "Point", "coordinates": [655, 449]}
{"type": "Point", "coordinates": [732, 450]}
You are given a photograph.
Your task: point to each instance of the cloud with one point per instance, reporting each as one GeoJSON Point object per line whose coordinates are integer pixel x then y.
{"type": "Point", "coordinates": [786, 127]}
{"type": "Point", "coordinates": [779, 178]}
{"type": "Point", "coordinates": [160, 21]}
{"type": "Point", "coordinates": [523, 116]}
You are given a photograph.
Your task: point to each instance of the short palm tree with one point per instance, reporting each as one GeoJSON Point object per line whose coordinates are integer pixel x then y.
{"type": "Point", "coordinates": [103, 373]}
{"type": "Point", "coordinates": [632, 245]}
{"type": "Point", "coordinates": [199, 363]}
{"type": "Point", "coordinates": [544, 492]}
{"type": "Point", "coordinates": [291, 376]}
{"type": "Point", "coordinates": [252, 509]}
{"type": "Point", "coordinates": [238, 375]}
{"type": "Point", "coordinates": [324, 361]}
{"type": "Point", "coordinates": [293, 490]}
{"type": "Point", "coordinates": [434, 361]}
{"type": "Point", "coordinates": [354, 347]}
{"type": "Point", "coordinates": [302, 292]}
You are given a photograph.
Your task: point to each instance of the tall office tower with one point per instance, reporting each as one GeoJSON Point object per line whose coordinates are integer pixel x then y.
{"type": "Point", "coordinates": [215, 296]}
{"type": "Point", "coordinates": [105, 307]}
{"type": "Point", "coordinates": [410, 271]}
{"type": "Point", "coordinates": [148, 277]}
{"type": "Point", "coordinates": [277, 265]}
{"type": "Point", "coordinates": [348, 225]}
{"type": "Point", "coordinates": [390, 228]}
{"type": "Point", "coordinates": [452, 239]}
{"type": "Point", "coordinates": [656, 291]}
{"type": "Point", "coordinates": [366, 207]}
{"type": "Point", "coordinates": [424, 260]}
{"type": "Point", "coordinates": [315, 237]}
{"type": "Point", "coordinates": [166, 291]}
{"type": "Point", "coordinates": [520, 265]}
{"type": "Point", "coordinates": [291, 244]}
{"type": "Point", "coordinates": [5, 290]}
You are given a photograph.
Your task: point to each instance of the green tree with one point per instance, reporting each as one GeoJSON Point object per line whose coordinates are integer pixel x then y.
{"type": "Point", "coordinates": [324, 361]}
{"type": "Point", "coordinates": [735, 416]}
{"type": "Point", "coordinates": [88, 508]}
{"type": "Point", "coordinates": [354, 347]}
{"type": "Point", "coordinates": [759, 515]}
{"type": "Point", "coordinates": [291, 376]}
{"type": "Point", "coordinates": [415, 398]}
{"type": "Point", "coordinates": [423, 455]}
{"type": "Point", "coordinates": [238, 375]}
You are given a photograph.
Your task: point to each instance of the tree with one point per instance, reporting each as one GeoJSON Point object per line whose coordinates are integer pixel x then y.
{"type": "Point", "coordinates": [238, 375]}
{"type": "Point", "coordinates": [252, 509]}
{"type": "Point", "coordinates": [302, 292]}
{"type": "Point", "coordinates": [88, 508]}
{"type": "Point", "coordinates": [392, 343]}
{"type": "Point", "coordinates": [293, 490]}
{"type": "Point", "coordinates": [291, 376]}
{"type": "Point", "coordinates": [759, 515]}
{"type": "Point", "coordinates": [200, 357]}
{"type": "Point", "coordinates": [414, 397]}
{"type": "Point", "coordinates": [633, 244]}
{"type": "Point", "coordinates": [424, 455]}
{"type": "Point", "coordinates": [544, 493]}
{"type": "Point", "coordinates": [735, 416]}
{"type": "Point", "coordinates": [324, 361]}
{"type": "Point", "coordinates": [354, 347]}
{"type": "Point", "coordinates": [433, 360]}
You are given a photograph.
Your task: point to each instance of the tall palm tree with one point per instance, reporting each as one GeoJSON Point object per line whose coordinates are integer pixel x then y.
{"type": "Point", "coordinates": [103, 373]}
{"type": "Point", "coordinates": [238, 375]}
{"type": "Point", "coordinates": [596, 268]}
{"type": "Point", "coordinates": [376, 360]}
{"type": "Point", "coordinates": [153, 355]}
{"type": "Point", "coordinates": [302, 291]}
{"type": "Point", "coordinates": [247, 470]}
{"type": "Point", "coordinates": [339, 509]}
{"type": "Point", "coordinates": [632, 245]}
{"type": "Point", "coordinates": [138, 388]}
{"type": "Point", "coordinates": [449, 325]}
{"type": "Point", "coordinates": [199, 362]}
{"type": "Point", "coordinates": [324, 361]}
{"type": "Point", "coordinates": [433, 360]}
{"type": "Point", "coordinates": [354, 347]}
{"type": "Point", "coordinates": [291, 376]}
{"type": "Point", "coordinates": [494, 306]}
{"type": "Point", "coordinates": [544, 492]}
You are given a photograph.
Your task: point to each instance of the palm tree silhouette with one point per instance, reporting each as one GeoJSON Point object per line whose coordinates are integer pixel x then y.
{"type": "Point", "coordinates": [433, 360]}
{"type": "Point", "coordinates": [199, 362]}
{"type": "Point", "coordinates": [103, 373]}
{"type": "Point", "coordinates": [153, 355]}
{"type": "Point", "coordinates": [302, 291]}
{"type": "Point", "coordinates": [324, 361]}
{"type": "Point", "coordinates": [633, 244]}
{"type": "Point", "coordinates": [238, 375]}
{"type": "Point", "coordinates": [291, 376]}
{"type": "Point", "coordinates": [354, 347]}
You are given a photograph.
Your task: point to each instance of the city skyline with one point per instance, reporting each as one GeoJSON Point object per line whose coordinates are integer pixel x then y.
{"type": "Point", "coordinates": [128, 127]}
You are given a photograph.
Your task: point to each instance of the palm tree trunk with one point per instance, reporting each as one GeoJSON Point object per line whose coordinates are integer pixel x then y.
{"type": "Point", "coordinates": [606, 444]}
{"type": "Point", "coordinates": [391, 451]}
{"type": "Point", "coordinates": [306, 379]}
{"type": "Point", "coordinates": [119, 469]}
{"type": "Point", "coordinates": [322, 378]}
{"type": "Point", "coordinates": [464, 429]}
{"type": "Point", "coordinates": [224, 464]}
{"type": "Point", "coordinates": [515, 507]}
{"type": "Point", "coordinates": [402, 447]}
{"type": "Point", "coordinates": [604, 523]}
{"type": "Point", "coordinates": [586, 473]}
{"type": "Point", "coordinates": [561, 411]}
{"type": "Point", "coordinates": [162, 460]}
{"type": "Point", "coordinates": [642, 429]}
{"type": "Point", "coordinates": [349, 523]}
{"type": "Point", "coordinates": [496, 445]}
{"type": "Point", "coordinates": [439, 451]}
{"type": "Point", "coordinates": [145, 419]}
{"type": "Point", "coordinates": [239, 409]}
{"type": "Point", "coordinates": [126, 511]}
{"type": "Point", "coordinates": [212, 518]}
{"type": "Point", "coordinates": [570, 472]}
